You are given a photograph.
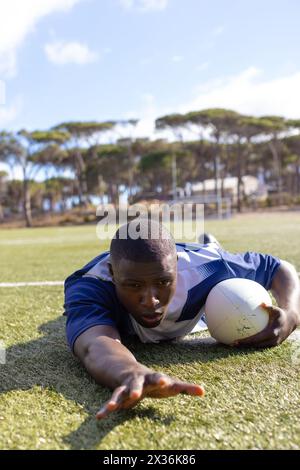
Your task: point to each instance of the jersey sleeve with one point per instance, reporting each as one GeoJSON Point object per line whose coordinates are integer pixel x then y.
{"type": "Point", "coordinates": [255, 266]}
{"type": "Point", "coordinates": [87, 304]}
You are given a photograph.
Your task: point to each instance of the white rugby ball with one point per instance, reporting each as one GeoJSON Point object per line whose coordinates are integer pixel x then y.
{"type": "Point", "coordinates": [233, 310]}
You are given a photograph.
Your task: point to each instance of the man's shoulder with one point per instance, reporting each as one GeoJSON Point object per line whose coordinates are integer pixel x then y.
{"type": "Point", "coordinates": [193, 255]}
{"type": "Point", "coordinates": [100, 260]}
{"type": "Point", "coordinates": [93, 280]}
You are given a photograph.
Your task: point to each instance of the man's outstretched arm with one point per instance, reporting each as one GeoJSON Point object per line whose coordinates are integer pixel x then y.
{"type": "Point", "coordinates": [111, 364]}
{"type": "Point", "coordinates": [283, 318]}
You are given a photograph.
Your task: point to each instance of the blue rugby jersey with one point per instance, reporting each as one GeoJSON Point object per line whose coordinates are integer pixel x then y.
{"type": "Point", "coordinates": [91, 299]}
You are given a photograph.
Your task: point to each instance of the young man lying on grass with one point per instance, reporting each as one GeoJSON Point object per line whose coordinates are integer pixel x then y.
{"type": "Point", "coordinates": [156, 289]}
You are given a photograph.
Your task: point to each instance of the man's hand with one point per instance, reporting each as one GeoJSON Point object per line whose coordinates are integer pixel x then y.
{"type": "Point", "coordinates": [282, 319]}
{"type": "Point", "coordinates": [146, 384]}
{"type": "Point", "coordinates": [111, 364]}
{"type": "Point", "coordinates": [281, 324]}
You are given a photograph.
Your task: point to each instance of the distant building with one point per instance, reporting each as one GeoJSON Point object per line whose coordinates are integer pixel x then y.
{"type": "Point", "coordinates": [251, 187]}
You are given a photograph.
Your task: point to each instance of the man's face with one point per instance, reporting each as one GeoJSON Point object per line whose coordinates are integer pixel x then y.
{"type": "Point", "coordinates": [146, 289]}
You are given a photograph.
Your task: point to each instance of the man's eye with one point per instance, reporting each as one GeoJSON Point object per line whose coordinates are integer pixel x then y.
{"type": "Point", "coordinates": [134, 286]}
{"type": "Point", "coordinates": [166, 282]}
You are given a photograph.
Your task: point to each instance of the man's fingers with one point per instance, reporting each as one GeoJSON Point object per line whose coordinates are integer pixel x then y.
{"type": "Point", "coordinates": [255, 339]}
{"type": "Point", "coordinates": [273, 312]}
{"type": "Point", "coordinates": [197, 390]}
{"type": "Point", "coordinates": [154, 385]}
{"type": "Point", "coordinates": [165, 386]}
{"type": "Point", "coordinates": [266, 337]}
{"type": "Point", "coordinates": [189, 389]}
{"type": "Point", "coordinates": [166, 383]}
{"type": "Point", "coordinates": [113, 403]}
{"type": "Point", "coordinates": [118, 394]}
{"type": "Point", "coordinates": [136, 388]}
{"type": "Point", "coordinates": [267, 343]}
{"type": "Point", "coordinates": [158, 379]}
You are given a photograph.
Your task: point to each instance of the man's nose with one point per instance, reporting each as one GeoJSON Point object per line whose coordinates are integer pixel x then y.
{"type": "Point", "coordinates": [150, 298]}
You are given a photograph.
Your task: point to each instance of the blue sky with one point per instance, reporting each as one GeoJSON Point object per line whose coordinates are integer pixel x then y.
{"type": "Point", "coordinates": [115, 59]}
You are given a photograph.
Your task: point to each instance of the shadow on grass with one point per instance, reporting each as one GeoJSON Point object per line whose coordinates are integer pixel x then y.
{"type": "Point", "coordinates": [47, 362]}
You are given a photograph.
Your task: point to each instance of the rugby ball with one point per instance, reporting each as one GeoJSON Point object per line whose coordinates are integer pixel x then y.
{"type": "Point", "coordinates": [233, 309]}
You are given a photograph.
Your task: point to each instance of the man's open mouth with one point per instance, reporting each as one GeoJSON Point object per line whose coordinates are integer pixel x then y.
{"type": "Point", "coordinates": [152, 318]}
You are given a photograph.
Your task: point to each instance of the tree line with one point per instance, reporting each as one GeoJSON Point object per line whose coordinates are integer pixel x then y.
{"type": "Point", "coordinates": [210, 143]}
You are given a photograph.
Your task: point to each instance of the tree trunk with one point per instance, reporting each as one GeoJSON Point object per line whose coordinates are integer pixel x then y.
{"type": "Point", "coordinates": [217, 186]}
{"type": "Point", "coordinates": [277, 164]}
{"type": "Point", "coordinates": [27, 203]}
{"type": "Point", "coordinates": [113, 193]}
{"type": "Point", "coordinates": [81, 177]}
{"type": "Point", "coordinates": [51, 203]}
{"type": "Point", "coordinates": [131, 175]}
{"type": "Point", "coordinates": [174, 177]}
{"type": "Point", "coordinates": [239, 178]}
{"type": "Point", "coordinates": [216, 174]}
{"type": "Point", "coordinates": [1, 213]}
{"type": "Point", "coordinates": [298, 176]}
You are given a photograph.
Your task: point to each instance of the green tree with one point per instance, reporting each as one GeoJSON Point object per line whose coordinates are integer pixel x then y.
{"type": "Point", "coordinates": [219, 123]}
{"type": "Point", "coordinates": [13, 154]}
{"type": "Point", "coordinates": [56, 190]}
{"type": "Point", "coordinates": [14, 196]}
{"type": "Point", "coordinates": [108, 166]}
{"type": "Point", "coordinates": [3, 191]}
{"type": "Point", "coordinates": [128, 142]}
{"type": "Point", "coordinates": [202, 152]}
{"type": "Point", "coordinates": [292, 144]}
{"type": "Point", "coordinates": [274, 128]}
{"type": "Point", "coordinates": [156, 168]}
{"type": "Point", "coordinates": [83, 135]}
{"type": "Point", "coordinates": [176, 124]}
{"type": "Point", "coordinates": [38, 149]}
{"type": "Point", "coordinates": [244, 131]}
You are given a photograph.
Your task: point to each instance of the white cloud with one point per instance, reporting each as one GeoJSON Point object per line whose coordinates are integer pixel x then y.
{"type": "Point", "coordinates": [148, 112]}
{"type": "Point", "coordinates": [18, 19]}
{"type": "Point", "coordinates": [2, 92]}
{"type": "Point", "coordinates": [61, 53]}
{"type": "Point", "coordinates": [144, 5]}
{"type": "Point", "coordinates": [247, 92]}
{"type": "Point", "coordinates": [8, 113]}
{"type": "Point", "coordinates": [8, 63]}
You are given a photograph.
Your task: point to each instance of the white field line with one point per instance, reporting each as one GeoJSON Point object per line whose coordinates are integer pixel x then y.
{"type": "Point", "coordinates": [46, 240]}
{"type": "Point", "coordinates": [25, 284]}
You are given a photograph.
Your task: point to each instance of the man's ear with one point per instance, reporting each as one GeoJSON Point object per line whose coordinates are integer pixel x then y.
{"type": "Point", "coordinates": [110, 269]}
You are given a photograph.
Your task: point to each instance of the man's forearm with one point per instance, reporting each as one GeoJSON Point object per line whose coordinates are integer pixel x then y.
{"type": "Point", "coordinates": [109, 362]}
{"type": "Point", "coordinates": [286, 290]}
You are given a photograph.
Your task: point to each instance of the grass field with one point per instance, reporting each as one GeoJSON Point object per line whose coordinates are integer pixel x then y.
{"type": "Point", "coordinates": [47, 401]}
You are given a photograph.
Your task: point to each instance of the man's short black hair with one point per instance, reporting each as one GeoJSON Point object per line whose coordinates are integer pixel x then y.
{"type": "Point", "coordinates": [142, 241]}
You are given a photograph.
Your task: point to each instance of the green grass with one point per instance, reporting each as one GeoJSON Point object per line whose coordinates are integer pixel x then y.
{"type": "Point", "coordinates": [48, 401]}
